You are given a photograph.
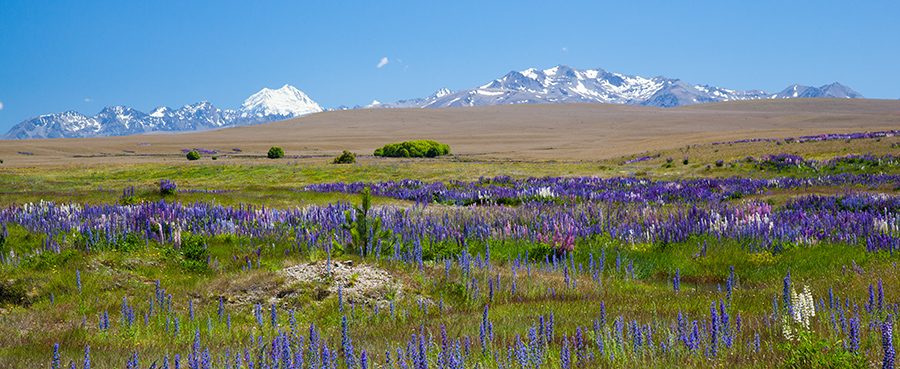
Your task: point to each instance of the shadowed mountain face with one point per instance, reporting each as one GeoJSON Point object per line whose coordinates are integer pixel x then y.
{"type": "Point", "coordinates": [562, 84]}
{"type": "Point", "coordinates": [832, 90]}
{"type": "Point", "coordinates": [262, 107]}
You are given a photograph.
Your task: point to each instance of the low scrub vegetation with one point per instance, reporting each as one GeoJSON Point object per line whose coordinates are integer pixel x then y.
{"type": "Point", "coordinates": [345, 158]}
{"type": "Point", "coordinates": [414, 149]}
{"type": "Point", "coordinates": [275, 152]}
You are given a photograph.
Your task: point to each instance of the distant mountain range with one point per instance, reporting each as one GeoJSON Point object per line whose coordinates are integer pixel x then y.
{"type": "Point", "coordinates": [560, 84]}
{"type": "Point", "coordinates": [262, 107]}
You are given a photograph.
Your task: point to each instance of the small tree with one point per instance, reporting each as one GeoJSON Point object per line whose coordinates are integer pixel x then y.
{"type": "Point", "coordinates": [275, 152]}
{"type": "Point", "coordinates": [193, 155]}
{"type": "Point", "coordinates": [363, 231]}
{"type": "Point", "coordinates": [345, 158]}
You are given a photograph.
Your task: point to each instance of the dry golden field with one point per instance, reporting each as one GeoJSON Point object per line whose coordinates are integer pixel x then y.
{"type": "Point", "coordinates": [523, 132]}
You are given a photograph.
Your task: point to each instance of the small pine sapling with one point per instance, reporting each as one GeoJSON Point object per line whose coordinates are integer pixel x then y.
{"type": "Point", "coordinates": [364, 232]}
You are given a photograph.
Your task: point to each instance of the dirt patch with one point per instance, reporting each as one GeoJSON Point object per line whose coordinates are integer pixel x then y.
{"type": "Point", "coordinates": [358, 283]}
{"type": "Point", "coordinates": [306, 283]}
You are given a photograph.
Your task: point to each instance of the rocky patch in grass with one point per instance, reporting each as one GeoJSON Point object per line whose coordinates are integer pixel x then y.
{"type": "Point", "coordinates": [359, 283]}
{"type": "Point", "coordinates": [305, 283]}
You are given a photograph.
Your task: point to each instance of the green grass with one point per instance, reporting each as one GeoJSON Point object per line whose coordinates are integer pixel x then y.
{"type": "Point", "coordinates": [30, 323]}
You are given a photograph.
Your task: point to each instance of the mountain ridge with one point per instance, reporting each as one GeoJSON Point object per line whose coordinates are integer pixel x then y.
{"type": "Point", "coordinates": [265, 106]}
{"type": "Point", "coordinates": [559, 84]}
{"type": "Point", "coordinates": [563, 84]}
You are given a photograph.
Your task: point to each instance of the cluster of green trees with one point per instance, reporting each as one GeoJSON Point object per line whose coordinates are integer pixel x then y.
{"type": "Point", "coordinates": [414, 149]}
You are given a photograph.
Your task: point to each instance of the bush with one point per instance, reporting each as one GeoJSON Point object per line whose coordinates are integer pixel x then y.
{"type": "Point", "coordinates": [193, 155]}
{"type": "Point", "coordinates": [275, 152]}
{"type": "Point", "coordinates": [195, 253]}
{"type": "Point", "coordinates": [685, 161]}
{"type": "Point", "coordinates": [414, 149]}
{"type": "Point", "coordinates": [720, 163]}
{"type": "Point", "coordinates": [214, 158]}
{"type": "Point", "coordinates": [345, 158]}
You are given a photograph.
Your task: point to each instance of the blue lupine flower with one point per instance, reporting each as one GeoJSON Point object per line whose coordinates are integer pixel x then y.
{"type": "Point", "coordinates": [87, 357]}
{"type": "Point", "coordinates": [887, 339]}
{"type": "Point", "coordinates": [55, 363]}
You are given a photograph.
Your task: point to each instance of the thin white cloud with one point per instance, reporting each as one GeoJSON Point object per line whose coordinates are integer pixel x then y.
{"type": "Point", "coordinates": [1, 105]}
{"type": "Point", "coordinates": [88, 100]}
{"type": "Point", "coordinates": [383, 62]}
{"type": "Point", "coordinates": [565, 48]}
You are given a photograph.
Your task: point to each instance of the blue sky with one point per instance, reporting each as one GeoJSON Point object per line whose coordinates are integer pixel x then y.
{"type": "Point", "coordinates": [63, 55]}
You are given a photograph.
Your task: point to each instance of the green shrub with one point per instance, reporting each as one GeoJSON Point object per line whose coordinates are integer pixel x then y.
{"type": "Point", "coordinates": [414, 149]}
{"type": "Point", "coordinates": [193, 155]}
{"type": "Point", "coordinates": [214, 158]}
{"type": "Point", "coordinates": [275, 152]}
{"type": "Point", "coordinates": [195, 253]}
{"type": "Point", "coordinates": [345, 158]}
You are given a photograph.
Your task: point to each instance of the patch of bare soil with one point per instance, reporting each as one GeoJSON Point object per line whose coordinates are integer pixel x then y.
{"type": "Point", "coordinates": [313, 281]}
{"type": "Point", "coordinates": [358, 283]}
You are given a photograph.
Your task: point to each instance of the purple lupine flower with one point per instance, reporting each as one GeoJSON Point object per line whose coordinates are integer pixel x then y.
{"type": "Point", "coordinates": [167, 187]}
{"type": "Point", "coordinates": [347, 345]}
{"type": "Point", "coordinates": [491, 290]}
{"type": "Point", "coordinates": [273, 315]}
{"type": "Point", "coordinates": [853, 332]}
{"type": "Point", "coordinates": [55, 363]}
{"type": "Point", "coordinates": [870, 305]}
{"type": "Point", "coordinates": [713, 331]}
{"type": "Point", "coordinates": [786, 294]}
{"type": "Point", "coordinates": [676, 282]}
{"type": "Point", "coordinates": [887, 339]}
{"type": "Point", "coordinates": [87, 357]}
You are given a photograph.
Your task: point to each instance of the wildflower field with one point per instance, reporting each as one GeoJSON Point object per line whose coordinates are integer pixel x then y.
{"type": "Point", "coordinates": [759, 253]}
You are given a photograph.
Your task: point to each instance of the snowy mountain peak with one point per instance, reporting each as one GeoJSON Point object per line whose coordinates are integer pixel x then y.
{"type": "Point", "coordinates": [440, 93]}
{"type": "Point", "coordinates": [564, 84]}
{"type": "Point", "coordinates": [265, 106]}
{"type": "Point", "coordinates": [160, 112]}
{"type": "Point", "coordinates": [286, 101]}
{"type": "Point", "coordinates": [831, 90]}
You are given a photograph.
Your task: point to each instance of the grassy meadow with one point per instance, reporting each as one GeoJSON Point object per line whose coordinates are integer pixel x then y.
{"type": "Point", "coordinates": [100, 269]}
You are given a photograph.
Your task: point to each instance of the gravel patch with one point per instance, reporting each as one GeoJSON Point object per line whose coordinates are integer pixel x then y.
{"type": "Point", "coordinates": [359, 283]}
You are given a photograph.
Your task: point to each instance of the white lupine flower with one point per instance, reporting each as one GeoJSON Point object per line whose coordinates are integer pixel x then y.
{"type": "Point", "coordinates": [545, 192]}
{"type": "Point", "coordinates": [804, 308]}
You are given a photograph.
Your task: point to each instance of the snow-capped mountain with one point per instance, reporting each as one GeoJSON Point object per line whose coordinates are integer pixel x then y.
{"type": "Point", "coordinates": [832, 90]}
{"type": "Point", "coordinates": [262, 107]}
{"type": "Point", "coordinates": [285, 101]}
{"type": "Point", "coordinates": [562, 84]}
